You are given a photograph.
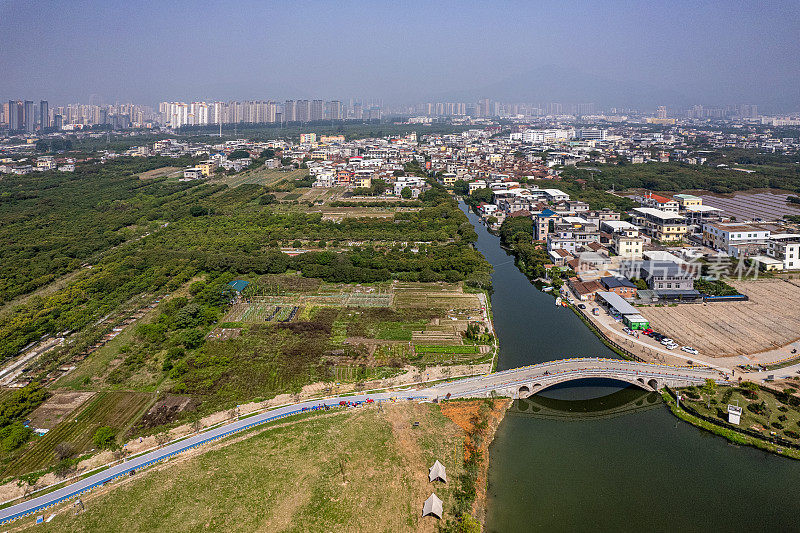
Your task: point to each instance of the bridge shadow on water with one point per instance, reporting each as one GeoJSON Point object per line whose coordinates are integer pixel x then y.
{"type": "Point", "coordinates": [586, 399]}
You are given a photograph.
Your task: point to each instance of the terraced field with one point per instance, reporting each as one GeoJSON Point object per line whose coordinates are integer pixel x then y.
{"type": "Point", "coordinates": [439, 296]}
{"type": "Point", "coordinates": [115, 409]}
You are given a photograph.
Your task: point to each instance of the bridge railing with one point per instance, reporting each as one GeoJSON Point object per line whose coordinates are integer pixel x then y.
{"type": "Point", "coordinates": [588, 372]}
{"type": "Point", "coordinates": [557, 362]}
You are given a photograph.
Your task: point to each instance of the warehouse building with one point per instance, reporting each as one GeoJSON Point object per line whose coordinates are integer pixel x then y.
{"type": "Point", "coordinates": [618, 306]}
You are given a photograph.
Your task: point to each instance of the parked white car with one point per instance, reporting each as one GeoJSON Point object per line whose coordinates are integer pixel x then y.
{"type": "Point", "coordinates": [689, 349]}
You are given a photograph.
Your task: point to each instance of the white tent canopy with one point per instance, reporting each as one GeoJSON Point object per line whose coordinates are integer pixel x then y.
{"type": "Point", "coordinates": [437, 471]}
{"type": "Point", "coordinates": [432, 506]}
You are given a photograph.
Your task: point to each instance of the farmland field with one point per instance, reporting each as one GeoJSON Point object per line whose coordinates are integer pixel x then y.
{"type": "Point", "coordinates": [440, 296]}
{"type": "Point", "coordinates": [159, 173]}
{"type": "Point", "coordinates": [277, 306]}
{"type": "Point", "coordinates": [115, 409]}
{"type": "Point", "coordinates": [767, 205]}
{"type": "Point", "coordinates": [55, 408]}
{"type": "Point", "coordinates": [767, 321]}
{"type": "Point", "coordinates": [322, 194]}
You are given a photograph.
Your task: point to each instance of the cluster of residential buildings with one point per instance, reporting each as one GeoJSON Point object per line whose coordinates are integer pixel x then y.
{"type": "Point", "coordinates": [566, 227]}
{"type": "Point", "coordinates": [216, 156]}
{"type": "Point", "coordinates": [179, 114]}
{"type": "Point", "coordinates": [37, 164]}
{"type": "Point", "coordinates": [28, 117]}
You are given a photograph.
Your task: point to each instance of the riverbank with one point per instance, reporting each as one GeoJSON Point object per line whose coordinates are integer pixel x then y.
{"type": "Point", "coordinates": [543, 469]}
{"type": "Point", "coordinates": [733, 436]}
{"type": "Point", "coordinates": [479, 419]}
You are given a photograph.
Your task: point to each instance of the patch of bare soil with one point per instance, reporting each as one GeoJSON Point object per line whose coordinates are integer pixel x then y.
{"type": "Point", "coordinates": [166, 410]}
{"type": "Point", "coordinates": [59, 405]}
{"type": "Point", "coordinates": [157, 173]}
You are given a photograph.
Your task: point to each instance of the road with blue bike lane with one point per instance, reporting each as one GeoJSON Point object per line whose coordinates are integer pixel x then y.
{"type": "Point", "coordinates": [128, 467]}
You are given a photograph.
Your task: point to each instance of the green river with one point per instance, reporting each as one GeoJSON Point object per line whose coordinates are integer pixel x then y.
{"type": "Point", "coordinates": [600, 456]}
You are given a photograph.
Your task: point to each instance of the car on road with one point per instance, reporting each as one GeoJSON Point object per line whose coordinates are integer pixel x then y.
{"type": "Point", "coordinates": [627, 330]}
{"type": "Point", "coordinates": [672, 346]}
{"type": "Point", "coordinates": [581, 306]}
{"type": "Point", "coordinates": [666, 340]}
{"type": "Point", "coordinates": [689, 349]}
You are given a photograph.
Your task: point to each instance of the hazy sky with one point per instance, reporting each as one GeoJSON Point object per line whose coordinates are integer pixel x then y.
{"type": "Point", "coordinates": [613, 53]}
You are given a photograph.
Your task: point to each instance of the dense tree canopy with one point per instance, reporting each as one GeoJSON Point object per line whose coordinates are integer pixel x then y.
{"type": "Point", "coordinates": [194, 228]}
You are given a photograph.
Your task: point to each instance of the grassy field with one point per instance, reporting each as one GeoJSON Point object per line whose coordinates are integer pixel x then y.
{"type": "Point", "coordinates": [762, 411]}
{"type": "Point", "coordinates": [159, 173]}
{"type": "Point", "coordinates": [363, 470]}
{"type": "Point", "coordinates": [262, 176]}
{"type": "Point", "coordinates": [115, 409]}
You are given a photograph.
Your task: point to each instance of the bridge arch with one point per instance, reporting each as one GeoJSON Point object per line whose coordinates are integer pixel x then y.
{"type": "Point", "coordinates": [526, 391]}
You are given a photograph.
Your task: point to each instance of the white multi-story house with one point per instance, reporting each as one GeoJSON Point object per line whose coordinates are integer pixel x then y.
{"type": "Point", "coordinates": [628, 247]}
{"type": "Point", "coordinates": [663, 203]}
{"type": "Point", "coordinates": [785, 247]}
{"type": "Point", "coordinates": [572, 234]}
{"type": "Point", "coordinates": [45, 163]}
{"type": "Point", "coordinates": [192, 173]}
{"type": "Point", "coordinates": [661, 225]}
{"type": "Point", "coordinates": [735, 239]}
{"type": "Point", "coordinates": [475, 185]}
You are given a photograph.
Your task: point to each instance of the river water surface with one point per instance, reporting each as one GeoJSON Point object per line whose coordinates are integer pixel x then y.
{"type": "Point", "coordinates": [597, 456]}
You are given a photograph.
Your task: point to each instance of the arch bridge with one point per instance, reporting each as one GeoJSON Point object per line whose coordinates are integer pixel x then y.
{"type": "Point", "coordinates": [529, 380]}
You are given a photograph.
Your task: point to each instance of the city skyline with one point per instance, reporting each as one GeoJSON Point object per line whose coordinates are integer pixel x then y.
{"type": "Point", "coordinates": [26, 116]}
